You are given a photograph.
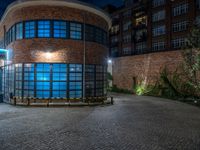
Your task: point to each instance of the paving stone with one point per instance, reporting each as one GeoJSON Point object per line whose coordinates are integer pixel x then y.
{"type": "Point", "coordinates": [132, 123]}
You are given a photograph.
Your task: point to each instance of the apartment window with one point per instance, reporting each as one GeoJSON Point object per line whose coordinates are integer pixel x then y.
{"type": "Point", "coordinates": [60, 29]}
{"type": "Point", "coordinates": [141, 20]}
{"type": "Point", "coordinates": [76, 31]}
{"type": "Point", "coordinates": [43, 29]}
{"type": "Point", "coordinates": [127, 26]}
{"type": "Point", "coordinates": [158, 46]}
{"type": "Point", "coordinates": [157, 3]}
{"type": "Point", "coordinates": [115, 29]}
{"type": "Point", "coordinates": [126, 50]}
{"type": "Point", "coordinates": [114, 51]}
{"type": "Point", "coordinates": [141, 47]}
{"type": "Point", "coordinates": [158, 16]}
{"type": "Point", "coordinates": [160, 30]}
{"type": "Point", "coordinates": [180, 26]}
{"type": "Point", "coordinates": [180, 9]}
{"type": "Point", "coordinates": [127, 13]}
{"type": "Point", "coordinates": [198, 4]}
{"type": "Point", "coordinates": [114, 39]}
{"type": "Point", "coordinates": [178, 42]}
{"type": "Point", "coordinates": [19, 31]}
{"type": "Point", "coordinates": [141, 35]}
{"type": "Point", "coordinates": [127, 38]}
{"type": "Point", "coordinates": [30, 29]}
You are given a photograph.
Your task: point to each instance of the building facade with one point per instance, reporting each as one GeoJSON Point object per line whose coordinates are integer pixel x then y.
{"type": "Point", "coordinates": [147, 36]}
{"type": "Point", "coordinates": [56, 49]}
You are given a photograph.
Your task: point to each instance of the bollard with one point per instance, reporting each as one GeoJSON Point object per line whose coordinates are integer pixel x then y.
{"type": "Point", "coordinates": [111, 101]}
{"type": "Point", "coordinates": [28, 104]}
{"type": "Point", "coordinates": [15, 101]}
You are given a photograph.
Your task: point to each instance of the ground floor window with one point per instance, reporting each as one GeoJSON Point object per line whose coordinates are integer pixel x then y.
{"type": "Point", "coordinates": [43, 80]}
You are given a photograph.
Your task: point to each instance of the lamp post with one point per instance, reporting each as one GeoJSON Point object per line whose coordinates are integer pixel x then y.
{"type": "Point", "coordinates": [84, 56]}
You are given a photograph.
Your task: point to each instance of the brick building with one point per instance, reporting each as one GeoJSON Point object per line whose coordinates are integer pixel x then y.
{"type": "Point", "coordinates": [56, 49]}
{"type": "Point", "coordinates": [146, 36]}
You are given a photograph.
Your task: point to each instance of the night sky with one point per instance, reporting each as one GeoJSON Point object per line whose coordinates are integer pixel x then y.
{"type": "Point", "coordinates": [100, 3]}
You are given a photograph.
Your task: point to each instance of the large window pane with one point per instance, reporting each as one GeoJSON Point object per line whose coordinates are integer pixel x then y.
{"type": "Point", "coordinates": [19, 31]}
{"type": "Point", "coordinates": [43, 29]}
{"type": "Point", "coordinates": [60, 29]}
{"type": "Point", "coordinates": [76, 31]}
{"type": "Point", "coordinates": [30, 29]}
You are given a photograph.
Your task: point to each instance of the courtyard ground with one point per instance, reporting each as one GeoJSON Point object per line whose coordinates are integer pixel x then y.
{"type": "Point", "coordinates": [132, 123]}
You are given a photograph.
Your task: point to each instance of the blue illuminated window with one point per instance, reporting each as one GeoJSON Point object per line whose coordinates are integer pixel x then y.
{"type": "Point", "coordinates": [30, 29]}
{"type": "Point", "coordinates": [19, 31]}
{"type": "Point", "coordinates": [76, 31]}
{"type": "Point", "coordinates": [43, 29]}
{"type": "Point", "coordinates": [60, 29]}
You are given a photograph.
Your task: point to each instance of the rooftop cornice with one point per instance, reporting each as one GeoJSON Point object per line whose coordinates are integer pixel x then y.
{"type": "Point", "coordinates": [68, 3]}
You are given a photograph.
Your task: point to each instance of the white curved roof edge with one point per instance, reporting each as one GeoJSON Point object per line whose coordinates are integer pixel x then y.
{"type": "Point", "coordinates": [68, 3]}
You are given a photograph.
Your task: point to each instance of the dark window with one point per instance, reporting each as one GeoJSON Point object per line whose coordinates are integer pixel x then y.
{"type": "Point", "coordinates": [76, 31]}
{"type": "Point", "coordinates": [43, 29]}
{"type": "Point", "coordinates": [30, 29]}
{"type": "Point", "coordinates": [13, 33]}
{"type": "Point", "coordinates": [98, 35]}
{"type": "Point", "coordinates": [60, 29]}
{"type": "Point", "coordinates": [89, 33]}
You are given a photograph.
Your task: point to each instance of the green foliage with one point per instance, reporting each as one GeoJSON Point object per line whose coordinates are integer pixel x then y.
{"type": "Point", "coordinates": [109, 76]}
{"type": "Point", "coordinates": [191, 65]}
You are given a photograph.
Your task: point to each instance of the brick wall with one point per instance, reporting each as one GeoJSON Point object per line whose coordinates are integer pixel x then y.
{"type": "Point", "coordinates": [145, 68]}
{"type": "Point", "coordinates": [62, 50]}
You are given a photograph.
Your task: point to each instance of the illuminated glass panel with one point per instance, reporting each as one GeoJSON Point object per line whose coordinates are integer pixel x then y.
{"type": "Point", "coordinates": [76, 31]}
{"type": "Point", "coordinates": [60, 29]}
{"type": "Point", "coordinates": [19, 31]}
{"type": "Point", "coordinates": [43, 29]}
{"type": "Point", "coordinates": [30, 29]}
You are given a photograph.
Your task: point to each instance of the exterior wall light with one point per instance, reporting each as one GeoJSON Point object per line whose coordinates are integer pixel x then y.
{"type": "Point", "coordinates": [109, 61]}
{"type": "Point", "coordinates": [48, 55]}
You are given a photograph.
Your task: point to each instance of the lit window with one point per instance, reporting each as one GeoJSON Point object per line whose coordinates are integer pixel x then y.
{"type": "Point", "coordinates": [158, 16]}
{"type": "Point", "coordinates": [158, 3]}
{"type": "Point", "coordinates": [76, 31]}
{"type": "Point", "coordinates": [43, 29]}
{"type": "Point", "coordinates": [157, 46]}
{"type": "Point", "coordinates": [180, 9]}
{"type": "Point", "coordinates": [180, 26]}
{"type": "Point", "coordinates": [30, 29]}
{"type": "Point", "coordinates": [159, 30]}
{"type": "Point", "coordinates": [178, 42]}
{"type": "Point", "coordinates": [60, 29]}
{"type": "Point", "coordinates": [19, 31]}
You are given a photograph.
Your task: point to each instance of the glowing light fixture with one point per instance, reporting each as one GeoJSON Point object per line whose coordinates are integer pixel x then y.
{"type": "Point", "coordinates": [48, 55]}
{"type": "Point", "coordinates": [109, 61]}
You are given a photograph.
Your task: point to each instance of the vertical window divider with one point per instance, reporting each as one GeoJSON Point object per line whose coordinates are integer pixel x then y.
{"type": "Point", "coordinates": [14, 79]}
{"type": "Point", "coordinates": [68, 75]}
{"type": "Point", "coordinates": [51, 80]}
{"type": "Point", "coordinates": [22, 94]}
{"type": "Point", "coordinates": [35, 79]}
{"type": "Point", "coordinates": [36, 28]}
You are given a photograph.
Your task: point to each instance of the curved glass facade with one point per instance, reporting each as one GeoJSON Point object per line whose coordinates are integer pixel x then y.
{"type": "Point", "coordinates": [55, 29]}
{"type": "Point", "coordinates": [53, 80]}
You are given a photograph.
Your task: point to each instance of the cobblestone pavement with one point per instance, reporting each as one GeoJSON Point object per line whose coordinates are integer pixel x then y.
{"type": "Point", "coordinates": [132, 123]}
